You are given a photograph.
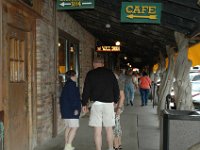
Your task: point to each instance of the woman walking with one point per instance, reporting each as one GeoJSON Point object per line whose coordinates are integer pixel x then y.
{"type": "Point", "coordinates": [144, 84]}
{"type": "Point", "coordinates": [129, 88]}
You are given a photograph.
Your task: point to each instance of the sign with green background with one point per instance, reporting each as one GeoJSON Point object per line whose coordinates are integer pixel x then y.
{"type": "Point", "coordinates": [74, 4]}
{"type": "Point", "coordinates": [135, 12]}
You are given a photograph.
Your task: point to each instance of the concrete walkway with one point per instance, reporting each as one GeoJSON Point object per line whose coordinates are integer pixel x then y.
{"type": "Point", "coordinates": [140, 131]}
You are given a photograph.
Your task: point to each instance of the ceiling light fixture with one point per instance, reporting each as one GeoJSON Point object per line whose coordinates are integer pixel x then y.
{"type": "Point", "coordinates": [117, 43]}
{"type": "Point", "coordinates": [108, 25]}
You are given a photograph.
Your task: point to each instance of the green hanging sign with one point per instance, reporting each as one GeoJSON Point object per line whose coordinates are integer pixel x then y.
{"type": "Point", "coordinates": [133, 12]}
{"type": "Point", "coordinates": [74, 4]}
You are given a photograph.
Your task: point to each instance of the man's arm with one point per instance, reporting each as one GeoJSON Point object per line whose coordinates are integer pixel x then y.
{"type": "Point", "coordinates": [86, 91]}
{"type": "Point", "coordinates": [116, 90]}
{"type": "Point", "coordinates": [85, 94]}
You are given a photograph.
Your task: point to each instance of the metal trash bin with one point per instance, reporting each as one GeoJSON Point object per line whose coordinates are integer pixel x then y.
{"type": "Point", "coordinates": [180, 129]}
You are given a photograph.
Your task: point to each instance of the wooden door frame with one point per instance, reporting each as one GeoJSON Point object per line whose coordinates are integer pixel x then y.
{"type": "Point", "coordinates": [7, 81]}
{"type": "Point", "coordinates": [31, 75]}
{"type": "Point", "coordinates": [1, 59]}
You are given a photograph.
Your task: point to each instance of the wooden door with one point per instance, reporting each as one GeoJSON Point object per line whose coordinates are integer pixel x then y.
{"type": "Point", "coordinates": [17, 43]}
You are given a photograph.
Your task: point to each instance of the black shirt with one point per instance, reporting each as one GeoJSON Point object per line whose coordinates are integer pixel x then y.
{"type": "Point", "coordinates": [100, 85]}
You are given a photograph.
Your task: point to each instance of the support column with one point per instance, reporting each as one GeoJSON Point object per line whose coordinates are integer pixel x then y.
{"type": "Point", "coordinates": [167, 79]}
{"type": "Point", "coordinates": [182, 85]}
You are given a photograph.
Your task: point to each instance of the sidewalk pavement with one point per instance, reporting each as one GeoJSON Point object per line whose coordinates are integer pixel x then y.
{"type": "Point", "coordinates": [140, 126]}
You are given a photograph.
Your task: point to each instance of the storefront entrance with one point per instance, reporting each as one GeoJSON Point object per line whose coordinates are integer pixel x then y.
{"type": "Point", "coordinates": [17, 80]}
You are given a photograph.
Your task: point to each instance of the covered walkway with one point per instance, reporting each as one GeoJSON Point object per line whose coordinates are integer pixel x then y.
{"type": "Point", "coordinates": [140, 131]}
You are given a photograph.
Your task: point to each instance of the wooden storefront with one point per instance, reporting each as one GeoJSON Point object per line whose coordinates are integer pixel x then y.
{"type": "Point", "coordinates": [29, 66]}
{"type": "Point", "coordinates": [17, 65]}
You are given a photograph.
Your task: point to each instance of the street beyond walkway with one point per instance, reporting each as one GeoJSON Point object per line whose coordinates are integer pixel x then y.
{"type": "Point", "coordinates": [140, 127]}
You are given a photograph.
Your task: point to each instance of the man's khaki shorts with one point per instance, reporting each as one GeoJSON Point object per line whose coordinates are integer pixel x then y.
{"type": "Point", "coordinates": [102, 113]}
{"type": "Point", "coordinates": [72, 123]}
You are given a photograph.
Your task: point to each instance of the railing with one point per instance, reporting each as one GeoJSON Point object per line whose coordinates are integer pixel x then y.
{"type": "Point", "coordinates": [1, 136]}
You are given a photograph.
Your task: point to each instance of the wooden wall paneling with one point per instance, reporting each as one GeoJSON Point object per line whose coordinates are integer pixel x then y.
{"type": "Point", "coordinates": [1, 58]}
{"type": "Point", "coordinates": [21, 18]}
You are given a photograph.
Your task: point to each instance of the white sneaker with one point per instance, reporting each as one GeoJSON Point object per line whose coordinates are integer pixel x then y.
{"type": "Point", "coordinates": [69, 148]}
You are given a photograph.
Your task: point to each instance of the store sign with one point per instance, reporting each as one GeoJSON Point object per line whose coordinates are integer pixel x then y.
{"type": "Point", "coordinates": [108, 49]}
{"type": "Point", "coordinates": [141, 12]}
{"type": "Point", "coordinates": [74, 4]}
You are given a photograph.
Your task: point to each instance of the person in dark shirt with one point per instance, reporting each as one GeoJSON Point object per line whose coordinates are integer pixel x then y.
{"type": "Point", "coordinates": [102, 88]}
{"type": "Point", "coordinates": [70, 107]}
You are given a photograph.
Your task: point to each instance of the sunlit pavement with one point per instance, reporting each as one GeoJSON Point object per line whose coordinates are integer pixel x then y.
{"type": "Point", "coordinates": [140, 131]}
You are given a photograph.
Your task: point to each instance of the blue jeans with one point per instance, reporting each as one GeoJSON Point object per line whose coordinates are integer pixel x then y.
{"type": "Point", "coordinates": [144, 95]}
{"type": "Point", "coordinates": [129, 92]}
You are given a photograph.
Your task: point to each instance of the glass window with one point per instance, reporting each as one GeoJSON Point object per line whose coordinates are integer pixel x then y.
{"type": "Point", "coordinates": [17, 62]}
{"type": "Point", "coordinates": [196, 78]}
{"type": "Point", "coordinates": [68, 55]}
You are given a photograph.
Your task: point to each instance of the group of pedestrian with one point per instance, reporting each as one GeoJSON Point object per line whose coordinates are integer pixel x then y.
{"type": "Point", "coordinates": [100, 86]}
{"type": "Point", "coordinates": [133, 82]}
{"type": "Point", "coordinates": [108, 92]}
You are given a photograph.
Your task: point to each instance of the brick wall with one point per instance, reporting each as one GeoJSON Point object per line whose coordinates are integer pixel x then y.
{"type": "Point", "coordinates": [46, 70]}
{"type": "Point", "coordinates": [87, 41]}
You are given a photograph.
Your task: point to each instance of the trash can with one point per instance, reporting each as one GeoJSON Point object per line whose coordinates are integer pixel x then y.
{"type": "Point", "coordinates": [180, 129]}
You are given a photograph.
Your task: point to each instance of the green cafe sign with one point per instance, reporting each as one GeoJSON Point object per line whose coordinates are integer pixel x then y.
{"type": "Point", "coordinates": [74, 4]}
{"type": "Point", "coordinates": [135, 12]}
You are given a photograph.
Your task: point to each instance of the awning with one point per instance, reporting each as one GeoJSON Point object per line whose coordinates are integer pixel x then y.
{"type": "Point", "coordinates": [194, 54]}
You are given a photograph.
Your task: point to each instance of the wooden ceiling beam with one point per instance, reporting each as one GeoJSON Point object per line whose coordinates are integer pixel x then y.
{"type": "Point", "coordinates": [139, 40]}
{"type": "Point", "coordinates": [177, 24]}
{"type": "Point", "coordinates": [188, 3]}
{"type": "Point", "coordinates": [181, 11]}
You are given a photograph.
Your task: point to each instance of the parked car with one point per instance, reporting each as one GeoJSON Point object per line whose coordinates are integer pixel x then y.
{"type": "Point", "coordinates": [195, 83]}
{"type": "Point", "coordinates": [195, 69]}
{"type": "Point", "coordinates": [194, 76]}
{"type": "Point", "coordinates": [196, 93]}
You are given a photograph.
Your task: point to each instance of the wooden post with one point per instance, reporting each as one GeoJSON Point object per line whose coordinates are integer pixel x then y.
{"type": "Point", "coordinates": [55, 89]}
{"type": "Point", "coordinates": [167, 79]}
{"type": "Point", "coordinates": [195, 147]}
{"type": "Point", "coordinates": [182, 85]}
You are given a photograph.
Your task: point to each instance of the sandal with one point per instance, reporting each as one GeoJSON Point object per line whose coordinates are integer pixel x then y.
{"type": "Point", "coordinates": [120, 147]}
